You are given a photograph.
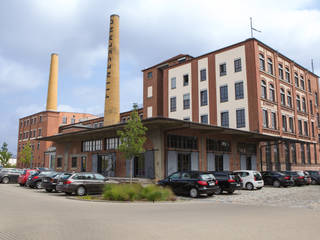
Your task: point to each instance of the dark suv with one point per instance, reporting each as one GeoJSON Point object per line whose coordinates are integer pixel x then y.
{"type": "Point", "coordinates": [191, 183]}
{"type": "Point", "coordinates": [315, 177]}
{"type": "Point", "coordinates": [227, 181]}
{"type": "Point", "coordinates": [277, 179]}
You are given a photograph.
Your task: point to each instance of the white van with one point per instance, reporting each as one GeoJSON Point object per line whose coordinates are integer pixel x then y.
{"type": "Point", "coordinates": [250, 179]}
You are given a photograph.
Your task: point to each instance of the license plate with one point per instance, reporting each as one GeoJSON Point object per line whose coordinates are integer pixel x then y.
{"type": "Point", "coordinates": [238, 184]}
{"type": "Point", "coordinates": [211, 184]}
{"type": "Point", "coordinates": [45, 180]}
{"type": "Point", "coordinates": [60, 183]}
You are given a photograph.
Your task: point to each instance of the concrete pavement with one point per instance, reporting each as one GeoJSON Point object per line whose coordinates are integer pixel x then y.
{"type": "Point", "coordinates": [34, 214]}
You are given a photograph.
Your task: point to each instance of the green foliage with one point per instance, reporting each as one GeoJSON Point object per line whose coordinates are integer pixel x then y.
{"type": "Point", "coordinates": [5, 155]}
{"type": "Point", "coordinates": [87, 197]}
{"type": "Point", "coordinates": [133, 136]}
{"type": "Point", "coordinates": [26, 154]}
{"type": "Point", "coordinates": [132, 192]}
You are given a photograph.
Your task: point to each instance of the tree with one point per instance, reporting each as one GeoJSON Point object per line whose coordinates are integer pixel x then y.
{"type": "Point", "coordinates": [26, 154]}
{"type": "Point", "coordinates": [5, 155]}
{"type": "Point", "coordinates": [132, 138]}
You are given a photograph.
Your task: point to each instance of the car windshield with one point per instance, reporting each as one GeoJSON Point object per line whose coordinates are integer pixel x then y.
{"type": "Point", "coordinates": [207, 177]}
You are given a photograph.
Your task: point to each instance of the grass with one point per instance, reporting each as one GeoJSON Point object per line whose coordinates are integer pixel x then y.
{"type": "Point", "coordinates": [134, 192]}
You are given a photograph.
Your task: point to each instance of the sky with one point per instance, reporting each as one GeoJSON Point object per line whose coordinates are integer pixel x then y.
{"type": "Point", "coordinates": [150, 31]}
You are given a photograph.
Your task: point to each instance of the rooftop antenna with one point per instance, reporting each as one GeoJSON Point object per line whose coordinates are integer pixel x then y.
{"type": "Point", "coordinates": [252, 28]}
{"type": "Point", "coordinates": [312, 67]}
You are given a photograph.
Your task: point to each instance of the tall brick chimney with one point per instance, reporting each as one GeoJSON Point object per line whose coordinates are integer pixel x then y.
{"type": "Point", "coordinates": [112, 97]}
{"type": "Point", "coordinates": [53, 84]}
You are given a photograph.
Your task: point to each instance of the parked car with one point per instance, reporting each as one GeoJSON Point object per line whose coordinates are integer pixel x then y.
{"type": "Point", "coordinates": [9, 175]}
{"type": "Point", "coordinates": [22, 179]}
{"type": "Point", "coordinates": [191, 183]}
{"type": "Point", "coordinates": [297, 176]}
{"type": "Point", "coordinates": [250, 179]}
{"type": "Point", "coordinates": [307, 177]}
{"type": "Point", "coordinates": [227, 181]}
{"type": "Point", "coordinates": [277, 179]}
{"type": "Point", "coordinates": [81, 183]}
{"type": "Point", "coordinates": [50, 182]}
{"type": "Point", "coordinates": [43, 169]}
{"type": "Point", "coordinates": [35, 180]}
{"type": "Point", "coordinates": [315, 176]}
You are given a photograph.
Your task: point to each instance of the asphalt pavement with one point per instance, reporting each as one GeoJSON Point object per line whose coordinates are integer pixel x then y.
{"type": "Point", "coordinates": [35, 214]}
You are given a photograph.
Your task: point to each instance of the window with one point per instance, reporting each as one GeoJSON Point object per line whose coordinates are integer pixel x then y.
{"type": "Point", "coordinates": [224, 93]}
{"type": "Point", "coordinates": [241, 121]}
{"type": "Point", "coordinates": [204, 98]}
{"type": "Point", "coordinates": [173, 104]}
{"type": "Point", "coordinates": [74, 162]}
{"type": "Point", "coordinates": [273, 120]}
{"type": "Point", "coordinates": [149, 92]}
{"type": "Point", "coordinates": [218, 145]}
{"type": "Point", "coordinates": [315, 152]}
{"type": "Point", "coordinates": [35, 120]}
{"type": "Point", "coordinates": [283, 97]}
{"type": "Point", "coordinates": [284, 123]}
{"type": "Point", "coordinates": [149, 74]}
{"type": "Point", "coordinates": [300, 126]}
{"type": "Point", "coordinates": [186, 101]}
{"type": "Point", "coordinates": [183, 142]}
{"type": "Point", "coordinates": [112, 143]}
{"type": "Point", "coordinates": [27, 122]}
{"type": "Point", "coordinates": [38, 146]}
{"type": "Point", "coordinates": [223, 69]}
{"type": "Point", "coordinates": [303, 157]}
{"type": "Point", "coordinates": [263, 89]}
{"type": "Point", "coordinates": [298, 103]}
{"type": "Point", "coordinates": [239, 90]}
{"type": "Point", "coordinates": [270, 66]}
{"type": "Point", "coordinates": [265, 118]}
{"type": "Point", "coordinates": [31, 120]}
{"type": "Point", "coordinates": [186, 118]}
{"type": "Point", "coordinates": [306, 131]}
{"type": "Point", "coordinates": [291, 127]}
{"type": "Point", "coordinates": [293, 153]}
{"type": "Point", "coordinates": [280, 71]}
{"type": "Point", "coordinates": [301, 82]}
{"type": "Point", "coordinates": [64, 120]}
{"type": "Point", "coordinates": [39, 132]}
{"type": "Point", "coordinates": [237, 65]}
{"type": "Point", "coordinates": [40, 118]}
{"type": "Point", "coordinates": [173, 83]}
{"type": "Point", "coordinates": [185, 80]}
{"type": "Point", "coordinates": [309, 85]}
{"type": "Point", "coordinates": [311, 107]}
{"type": "Point", "coordinates": [318, 120]}
{"type": "Point", "coordinates": [287, 75]}
{"type": "Point", "coordinates": [289, 99]}
{"type": "Point", "coordinates": [91, 145]}
{"type": "Point", "coordinates": [271, 93]}
{"type": "Point", "coordinates": [203, 75]}
{"type": "Point", "coordinates": [316, 98]}
{"type": "Point", "coordinates": [225, 119]}
{"type": "Point", "coordinates": [204, 119]}
{"type": "Point", "coordinates": [312, 128]}
{"type": "Point", "coordinates": [262, 63]}
{"type": "Point", "coordinates": [308, 153]}
{"type": "Point", "coordinates": [296, 79]}
{"type": "Point", "coordinates": [304, 108]}
{"type": "Point", "coordinates": [73, 120]}
{"type": "Point", "coordinates": [59, 162]}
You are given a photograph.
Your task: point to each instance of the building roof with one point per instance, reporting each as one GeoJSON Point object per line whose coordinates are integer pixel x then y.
{"type": "Point", "coordinates": [168, 60]}
{"type": "Point", "coordinates": [163, 124]}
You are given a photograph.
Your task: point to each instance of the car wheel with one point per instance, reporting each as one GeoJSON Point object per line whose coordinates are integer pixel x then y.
{"type": "Point", "coordinates": [219, 190]}
{"type": "Point", "coordinates": [38, 185]}
{"type": "Point", "coordinates": [276, 183]}
{"type": "Point", "coordinates": [313, 182]}
{"type": "Point", "coordinates": [210, 194]}
{"type": "Point", "coordinates": [249, 186]}
{"type": "Point", "coordinates": [81, 191]}
{"type": "Point", "coordinates": [5, 180]}
{"type": "Point", "coordinates": [21, 185]}
{"type": "Point", "coordinates": [193, 192]}
{"type": "Point", "coordinates": [231, 191]}
{"type": "Point", "coordinates": [48, 190]}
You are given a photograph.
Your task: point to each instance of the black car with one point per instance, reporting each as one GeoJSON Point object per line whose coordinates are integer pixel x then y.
{"type": "Point", "coordinates": [315, 177]}
{"type": "Point", "coordinates": [81, 183]}
{"type": "Point", "coordinates": [35, 180]}
{"type": "Point", "coordinates": [227, 181]}
{"type": "Point", "coordinates": [191, 183]}
{"type": "Point", "coordinates": [277, 179]}
{"type": "Point", "coordinates": [297, 176]}
{"type": "Point", "coordinates": [50, 182]}
{"type": "Point", "coordinates": [9, 175]}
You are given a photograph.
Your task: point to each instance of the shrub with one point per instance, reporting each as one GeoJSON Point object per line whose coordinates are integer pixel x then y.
{"type": "Point", "coordinates": [132, 192]}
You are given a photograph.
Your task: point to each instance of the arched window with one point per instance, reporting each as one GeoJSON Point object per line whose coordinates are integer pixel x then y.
{"type": "Point", "coordinates": [280, 71]}
{"type": "Point", "coordinates": [298, 103]}
{"type": "Point", "coordinates": [304, 108]}
{"type": "Point", "coordinates": [263, 89]}
{"type": "Point", "coordinates": [270, 66]}
{"type": "Point", "coordinates": [283, 97]}
{"type": "Point", "coordinates": [289, 99]}
{"type": "Point", "coordinates": [296, 79]}
{"type": "Point", "coordinates": [301, 82]}
{"type": "Point", "coordinates": [271, 93]}
{"type": "Point", "coordinates": [287, 75]}
{"type": "Point", "coordinates": [262, 63]}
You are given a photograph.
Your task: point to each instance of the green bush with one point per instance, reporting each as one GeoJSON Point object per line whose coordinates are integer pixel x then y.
{"type": "Point", "coordinates": [132, 192]}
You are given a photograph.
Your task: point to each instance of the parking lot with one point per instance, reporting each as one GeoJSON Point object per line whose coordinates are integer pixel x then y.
{"type": "Point", "coordinates": [35, 214]}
